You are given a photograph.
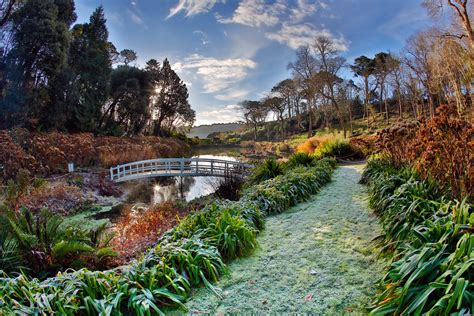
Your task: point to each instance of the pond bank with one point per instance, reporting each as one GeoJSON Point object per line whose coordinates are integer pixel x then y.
{"type": "Point", "coordinates": [317, 257]}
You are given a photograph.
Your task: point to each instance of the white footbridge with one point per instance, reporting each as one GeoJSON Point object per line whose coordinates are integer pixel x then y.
{"type": "Point", "coordinates": [179, 167]}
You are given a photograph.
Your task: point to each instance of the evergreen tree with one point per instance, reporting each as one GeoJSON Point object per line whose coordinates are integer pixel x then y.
{"type": "Point", "coordinates": [128, 109]}
{"type": "Point", "coordinates": [91, 65]}
{"type": "Point", "coordinates": [172, 100]}
{"type": "Point", "coordinates": [38, 55]}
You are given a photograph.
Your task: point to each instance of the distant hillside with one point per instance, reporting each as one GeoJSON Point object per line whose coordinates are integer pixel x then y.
{"type": "Point", "coordinates": [203, 130]}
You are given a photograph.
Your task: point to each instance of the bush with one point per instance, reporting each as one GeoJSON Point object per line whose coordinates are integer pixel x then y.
{"type": "Point", "coordinates": [329, 146]}
{"type": "Point", "coordinates": [364, 144]}
{"type": "Point", "coordinates": [301, 159]}
{"type": "Point", "coordinates": [46, 246]}
{"type": "Point", "coordinates": [441, 148]}
{"type": "Point", "coordinates": [432, 242]}
{"type": "Point", "coordinates": [339, 149]}
{"type": "Point", "coordinates": [269, 169]}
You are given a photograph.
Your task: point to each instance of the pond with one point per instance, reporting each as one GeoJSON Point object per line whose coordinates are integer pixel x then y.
{"type": "Point", "coordinates": [186, 188]}
{"type": "Point", "coordinates": [164, 189]}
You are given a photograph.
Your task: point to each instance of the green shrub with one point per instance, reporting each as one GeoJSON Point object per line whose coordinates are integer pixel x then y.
{"type": "Point", "coordinates": [301, 159]}
{"type": "Point", "coordinates": [432, 242]}
{"type": "Point", "coordinates": [231, 235]}
{"type": "Point", "coordinates": [46, 246]}
{"type": "Point", "coordinates": [269, 169]}
{"type": "Point", "coordinates": [337, 148]}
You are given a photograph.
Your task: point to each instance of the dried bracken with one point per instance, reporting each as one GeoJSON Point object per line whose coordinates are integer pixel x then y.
{"type": "Point", "coordinates": [49, 153]}
{"type": "Point", "coordinates": [441, 148]}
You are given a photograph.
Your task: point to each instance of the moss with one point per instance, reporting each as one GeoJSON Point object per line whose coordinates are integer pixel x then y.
{"type": "Point", "coordinates": [317, 258]}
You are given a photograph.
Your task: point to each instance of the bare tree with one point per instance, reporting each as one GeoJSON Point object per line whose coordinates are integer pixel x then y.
{"type": "Point", "coordinates": [462, 11]}
{"type": "Point", "coordinates": [327, 78]}
{"type": "Point", "coordinates": [417, 58]}
{"type": "Point", "coordinates": [303, 70]}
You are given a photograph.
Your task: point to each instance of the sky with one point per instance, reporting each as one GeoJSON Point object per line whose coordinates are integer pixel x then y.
{"type": "Point", "coordinates": [230, 50]}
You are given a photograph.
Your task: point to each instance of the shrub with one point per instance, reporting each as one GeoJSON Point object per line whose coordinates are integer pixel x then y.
{"type": "Point", "coordinates": [48, 153]}
{"type": "Point", "coordinates": [364, 144]}
{"type": "Point", "coordinates": [47, 246]}
{"type": "Point", "coordinates": [310, 145]}
{"type": "Point", "coordinates": [432, 242]}
{"type": "Point", "coordinates": [441, 148]}
{"type": "Point", "coordinates": [138, 229]}
{"type": "Point", "coordinates": [301, 159]}
{"type": "Point", "coordinates": [269, 169]}
{"type": "Point", "coordinates": [339, 149]}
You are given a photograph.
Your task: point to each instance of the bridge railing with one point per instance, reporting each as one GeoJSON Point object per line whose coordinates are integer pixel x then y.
{"type": "Point", "coordinates": [178, 167]}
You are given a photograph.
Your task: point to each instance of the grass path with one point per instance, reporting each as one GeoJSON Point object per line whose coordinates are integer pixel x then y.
{"type": "Point", "coordinates": [317, 257]}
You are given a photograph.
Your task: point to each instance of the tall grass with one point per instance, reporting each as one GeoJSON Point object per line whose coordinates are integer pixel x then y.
{"type": "Point", "coordinates": [191, 254]}
{"type": "Point", "coordinates": [432, 242]}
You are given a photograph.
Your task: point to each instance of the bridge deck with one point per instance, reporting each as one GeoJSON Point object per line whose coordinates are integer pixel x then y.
{"type": "Point", "coordinates": [178, 167]}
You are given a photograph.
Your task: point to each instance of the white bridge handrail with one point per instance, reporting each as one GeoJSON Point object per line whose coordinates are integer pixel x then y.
{"type": "Point", "coordinates": [182, 167]}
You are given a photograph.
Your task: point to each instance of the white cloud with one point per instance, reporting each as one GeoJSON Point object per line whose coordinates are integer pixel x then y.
{"type": "Point", "coordinates": [217, 74]}
{"type": "Point", "coordinates": [256, 13]}
{"type": "Point", "coordinates": [297, 35]}
{"type": "Point", "coordinates": [232, 95]}
{"type": "Point", "coordinates": [226, 114]}
{"type": "Point", "coordinates": [192, 7]}
{"type": "Point", "coordinates": [303, 9]}
{"type": "Point", "coordinates": [259, 13]}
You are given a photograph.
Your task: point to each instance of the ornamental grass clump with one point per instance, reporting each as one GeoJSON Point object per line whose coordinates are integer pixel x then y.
{"type": "Point", "coordinates": [432, 243]}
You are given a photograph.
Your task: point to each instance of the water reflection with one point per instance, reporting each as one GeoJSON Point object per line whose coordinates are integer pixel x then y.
{"type": "Point", "coordinates": [186, 188]}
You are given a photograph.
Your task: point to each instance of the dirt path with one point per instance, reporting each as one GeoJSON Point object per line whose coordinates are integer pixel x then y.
{"type": "Point", "coordinates": [317, 257]}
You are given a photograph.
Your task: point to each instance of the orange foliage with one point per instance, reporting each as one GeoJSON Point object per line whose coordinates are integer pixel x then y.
{"type": "Point", "coordinates": [49, 153]}
{"type": "Point", "coordinates": [441, 148]}
{"type": "Point", "coordinates": [310, 145]}
{"type": "Point", "coordinates": [364, 144]}
{"type": "Point", "coordinates": [13, 157]}
{"type": "Point", "coordinates": [139, 227]}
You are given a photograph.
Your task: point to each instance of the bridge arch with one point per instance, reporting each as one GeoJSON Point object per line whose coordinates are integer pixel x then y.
{"type": "Point", "coordinates": [178, 167]}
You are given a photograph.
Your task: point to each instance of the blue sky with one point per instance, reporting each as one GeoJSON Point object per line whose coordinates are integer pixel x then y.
{"type": "Point", "coordinates": [230, 50]}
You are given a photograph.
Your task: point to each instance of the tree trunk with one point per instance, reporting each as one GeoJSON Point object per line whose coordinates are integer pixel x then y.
{"type": "Point", "coordinates": [310, 119]}
{"type": "Point", "coordinates": [350, 119]}
{"type": "Point", "coordinates": [400, 109]}
{"type": "Point", "coordinates": [366, 100]}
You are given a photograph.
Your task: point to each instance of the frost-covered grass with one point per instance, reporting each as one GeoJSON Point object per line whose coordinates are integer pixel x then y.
{"type": "Point", "coordinates": [317, 257]}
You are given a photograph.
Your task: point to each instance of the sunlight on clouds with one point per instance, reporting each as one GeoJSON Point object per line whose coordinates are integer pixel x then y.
{"type": "Point", "coordinates": [256, 13]}
{"type": "Point", "coordinates": [217, 74]}
{"type": "Point", "coordinates": [297, 35]}
{"type": "Point", "coordinates": [192, 7]}
{"type": "Point", "coordinates": [227, 114]}
{"type": "Point", "coordinates": [237, 94]}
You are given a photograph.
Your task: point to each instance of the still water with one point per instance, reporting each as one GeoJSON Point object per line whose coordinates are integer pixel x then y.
{"type": "Point", "coordinates": [186, 188]}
